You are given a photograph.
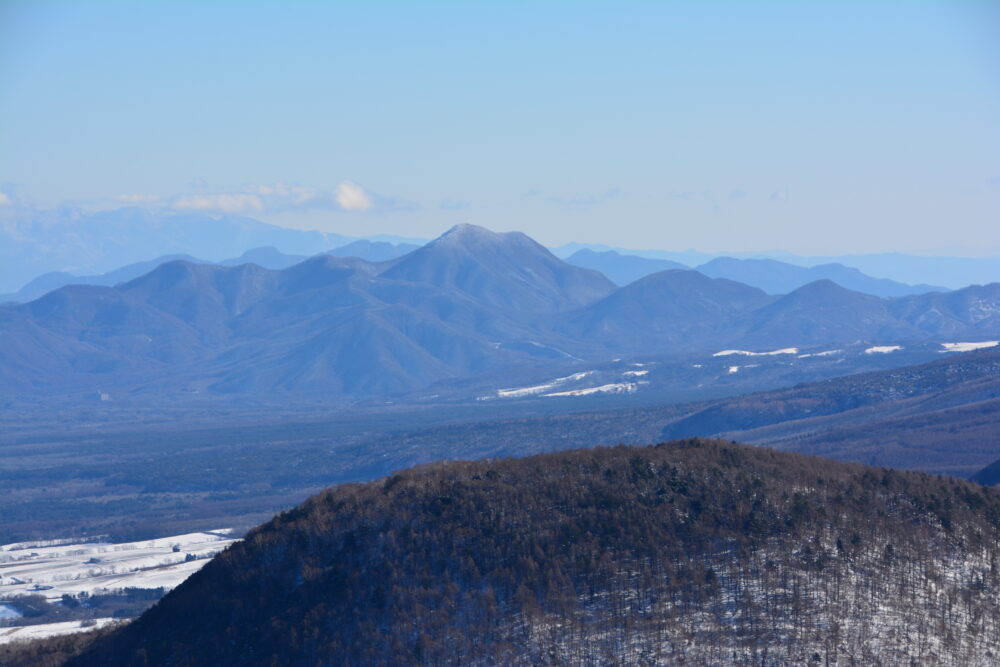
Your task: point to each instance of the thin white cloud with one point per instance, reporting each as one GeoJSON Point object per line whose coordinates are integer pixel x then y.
{"type": "Point", "coordinates": [5, 200]}
{"type": "Point", "coordinates": [282, 195]}
{"type": "Point", "coordinates": [347, 196]}
{"type": "Point", "coordinates": [226, 203]}
{"type": "Point", "coordinates": [351, 197]}
{"type": "Point", "coordinates": [138, 198]}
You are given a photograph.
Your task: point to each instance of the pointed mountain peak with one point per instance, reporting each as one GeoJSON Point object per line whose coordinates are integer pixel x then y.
{"type": "Point", "coordinates": [506, 269]}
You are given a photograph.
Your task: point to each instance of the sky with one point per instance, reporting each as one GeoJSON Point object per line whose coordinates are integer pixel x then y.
{"type": "Point", "coordinates": [811, 127]}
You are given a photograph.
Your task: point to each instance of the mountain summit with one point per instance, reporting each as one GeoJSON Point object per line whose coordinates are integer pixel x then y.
{"type": "Point", "coordinates": [506, 270]}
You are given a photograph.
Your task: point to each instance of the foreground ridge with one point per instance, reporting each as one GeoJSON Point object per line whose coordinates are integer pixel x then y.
{"type": "Point", "coordinates": [698, 550]}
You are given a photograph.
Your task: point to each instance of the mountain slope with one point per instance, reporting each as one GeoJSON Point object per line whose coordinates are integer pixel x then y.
{"type": "Point", "coordinates": [663, 310]}
{"type": "Point", "coordinates": [988, 476]}
{"type": "Point", "coordinates": [823, 312]}
{"type": "Point", "coordinates": [776, 277]}
{"type": "Point", "coordinates": [974, 308]}
{"type": "Point", "coordinates": [705, 551]}
{"type": "Point", "coordinates": [327, 324]}
{"type": "Point", "coordinates": [621, 269]}
{"type": "Point", "coordinates": [941, 416]}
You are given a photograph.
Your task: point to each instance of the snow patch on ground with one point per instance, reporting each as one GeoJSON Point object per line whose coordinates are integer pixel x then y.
{"type": "Point", "coordinates": [734, 369]}
{"type": "Point", "coordinates": [86, 567]}
{"type": "Point", "coordinates": [825, 353]}
{"type": "Point", "coordinates": [747, 353]}
{"type": "Point", "coordinates": [635, 374]}
{"type": "Point", "coordinates": [521, 392]}
{"type": "Point", "coordinates": [883, 349]}
{"type": "Point", "coordinates": [969, 347]}
{"type": "Point", "coordinates": [26, 632]}
{"type": "Point", "coordinates": [612, 388]}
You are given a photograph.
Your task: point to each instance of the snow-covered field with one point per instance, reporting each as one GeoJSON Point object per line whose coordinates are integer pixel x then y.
{"type": "Point", "coordinates": [747, 353]}
{"type": "Point", "coordinates": [521, 392]}
{"type": "Point", "coordinates": [883, 349]}
{"type": "Point", "coordinates": [27, 568]}
{"type": "Point", "coordinates": [611, 388]}
{"type": "Point", "coordinates": [969, 347]}
{"type": "Point", "coordinates": [59, 567]}
{"type": "Point", "coordinates": [50, 629]}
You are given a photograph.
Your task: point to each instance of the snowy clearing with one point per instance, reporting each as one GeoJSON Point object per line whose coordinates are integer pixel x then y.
{"type": "Point", "coordinates": [75, 568]}
{"type": "Point", "coordinates": [541, 388]}
{"type": "Point", "coordinates": [969, 347]}
{"type": "Point", "coordinates": [825, 353]}
{"type": "Point", "coordinates": [50, 629]}
{"type": "Point", "coordinates": [635, 374]}
{"type": "Point", "coordinates": [613, 388]}
{"type": "Point", "coordinates": [747, 353]}
{"type": "Point", "coordinates": [883, 349]}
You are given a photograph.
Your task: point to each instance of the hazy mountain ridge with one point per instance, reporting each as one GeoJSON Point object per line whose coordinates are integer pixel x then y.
{"type": "Point", "coordinates": [267, 257]}
{"type": "Point", "coordinates": [621, 269]}
{"type": "Point", "coordinates": [909, 270]}
{"type": "Point", "coordinates": [770, 275]}
{"type": "Point", "coordinates": [465, 303]}
{"type": "Point", "coordinates": [77, 242]}
{"type": "Point", "coordinates": [640, 555]}
{"type": "Point", "coordinates": [775, 277]}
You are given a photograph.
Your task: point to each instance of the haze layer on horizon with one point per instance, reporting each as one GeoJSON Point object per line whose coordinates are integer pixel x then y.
{"type": "Point", "coordinates": [813, 128]}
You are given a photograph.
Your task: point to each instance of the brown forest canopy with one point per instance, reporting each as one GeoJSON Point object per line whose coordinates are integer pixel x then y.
{"type": "Point", "coordinates": [702, 549]}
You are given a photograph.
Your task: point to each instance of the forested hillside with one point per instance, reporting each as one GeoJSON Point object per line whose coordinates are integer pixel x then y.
{"type": "Point", "coordinates": [695, 551]}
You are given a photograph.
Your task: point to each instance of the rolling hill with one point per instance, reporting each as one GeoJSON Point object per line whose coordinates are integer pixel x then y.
{"type": "Point", "coordinates": [700, 550]}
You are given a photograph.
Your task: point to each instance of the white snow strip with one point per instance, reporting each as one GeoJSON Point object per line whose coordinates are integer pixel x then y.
{"type": "Point", "coordinates": [734, 369]}
{"type": "Point", "coordinates": [969, 347]}
{"type": "Point", "coordinates": [747, 353]}
{"type": "Point", "coordinates": [635, 374]}
{"type": "Point", "coordinates": [613, 388]}
{"type": "Point", "coordinates": [883, 349]}
{"type": "Point", "coordinates": [825, 353]}
{"type": "Point", "coordinates": [541, 388]}
{"type": "Point", "coordinates": [49, 629]}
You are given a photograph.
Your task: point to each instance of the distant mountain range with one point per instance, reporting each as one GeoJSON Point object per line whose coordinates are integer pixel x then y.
{"type": "Point", "coordinates": [88, 244]}
{"type": "Point", "coordinates": [770, 275]}
{"type": "Point", "coordinates": [776, 277]}
{"type": "Point", "coordinates": [951, 272]}
{"type": "Point", "coordinates": [468, 302]}
{"type": "Point", "coordinates": [621, 269]}
{"type": "Point", "coordinates": [73, 241]}
{"type": "Point", "coordinates": [267, 257]}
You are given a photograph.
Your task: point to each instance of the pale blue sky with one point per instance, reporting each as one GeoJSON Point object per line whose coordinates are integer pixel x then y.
{"type": "Point", "coordinates": [817, 128]}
